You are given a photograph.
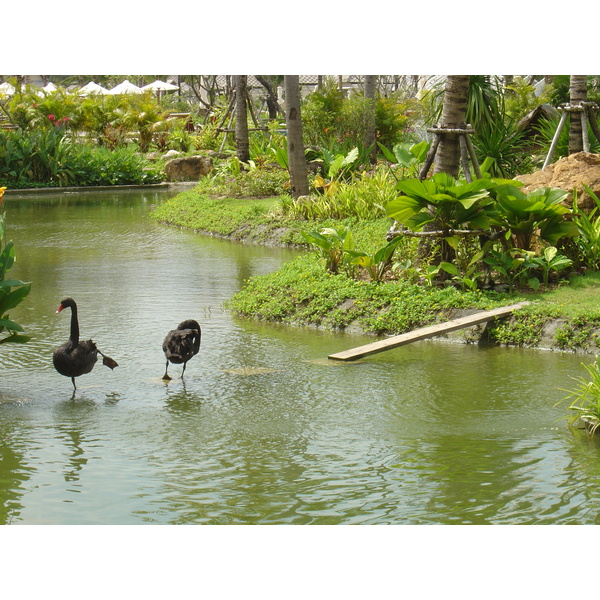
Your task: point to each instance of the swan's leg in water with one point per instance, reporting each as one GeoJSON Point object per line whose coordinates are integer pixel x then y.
{"type": "Point", "coordinates": [166, 375]}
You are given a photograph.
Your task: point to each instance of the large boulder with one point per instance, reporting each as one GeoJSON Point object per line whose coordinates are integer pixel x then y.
{"type": "Point", "coordinates": [188, 168]}
{"type": "Point", "coordinates": [569, 173]}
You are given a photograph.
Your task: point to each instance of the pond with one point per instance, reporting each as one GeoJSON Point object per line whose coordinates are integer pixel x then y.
{"type": "Point", "coordinates": [263, 429]}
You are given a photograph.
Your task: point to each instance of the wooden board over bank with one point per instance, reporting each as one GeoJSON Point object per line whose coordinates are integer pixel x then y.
{"type": "Point", "coordinates": [427, 332]}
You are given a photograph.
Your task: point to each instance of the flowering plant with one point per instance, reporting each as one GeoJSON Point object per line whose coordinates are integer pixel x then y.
{"type": "Point", "coordinates": [57, 122]}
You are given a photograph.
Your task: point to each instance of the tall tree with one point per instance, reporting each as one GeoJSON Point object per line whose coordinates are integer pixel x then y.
{"type": "Point", "coordinates": [447, 159]}
{"type": "Point", "coordinates": [295, 142]}
{"type": "Point", "coordinates": [371, 131]}
{"type": "Point", "coordinates": [577, 94]}
{"type": "Point", "coordinates": [242, 142]}
{"type": "Point", "coordinates": [270, 83]}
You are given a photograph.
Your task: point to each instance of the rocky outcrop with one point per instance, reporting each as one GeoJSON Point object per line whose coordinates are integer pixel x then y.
{"type": "Point", "coordinates": [188, 168]}
{"type": "Point", "coordinates": [569, 173]}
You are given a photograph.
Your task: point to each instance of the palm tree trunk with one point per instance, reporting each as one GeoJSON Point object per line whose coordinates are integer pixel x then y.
{"type": "Point", "coordinates": [241, 119]}
{"type": "Point", "coordinates": [447, 159]}
{"type": "Point", "coordinates": [295, 142]}
{"type": "Point", "coordinates": [577, 94]}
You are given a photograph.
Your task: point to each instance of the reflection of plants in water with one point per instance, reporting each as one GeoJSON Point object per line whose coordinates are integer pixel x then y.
{"type": "Point", "coordinates": [585, 398]}
{"type": "Point", "coordinates": [13, 473]}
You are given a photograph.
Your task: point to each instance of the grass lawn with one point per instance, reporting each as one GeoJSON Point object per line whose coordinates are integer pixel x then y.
{"type": "Point", "coordinates": [581, 298]}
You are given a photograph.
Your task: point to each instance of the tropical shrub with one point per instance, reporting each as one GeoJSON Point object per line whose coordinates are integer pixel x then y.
{"type": "Point", "coordinates": [232, 180]}
{"type": "Point", "coordinates": [504, 143]}
{"type": "Point", "coordinates": [538, 214]}
{"type": "Point", "coordinates": [587, 242]}
{"type": "Point", "coordinates": [50, 158]}
{"type": "Point", "coordinates": [364, 197]}
{"type": "Point", "coordinates": [333, 245]}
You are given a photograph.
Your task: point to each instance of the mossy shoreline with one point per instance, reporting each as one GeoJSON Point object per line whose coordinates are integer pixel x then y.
{"type": "Point", "coordinates": [303, 294]}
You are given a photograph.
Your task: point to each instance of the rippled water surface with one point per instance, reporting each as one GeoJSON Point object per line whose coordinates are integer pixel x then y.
{"type": "Point", "coordinates": [264, 429]}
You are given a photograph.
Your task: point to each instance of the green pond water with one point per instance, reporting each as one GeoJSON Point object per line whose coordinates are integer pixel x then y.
{"type": "Point", "coordinates": [264, 429]}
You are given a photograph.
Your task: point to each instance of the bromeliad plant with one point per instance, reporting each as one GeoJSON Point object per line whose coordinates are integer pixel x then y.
{"type": "Point", "coordinates": [9, 297]}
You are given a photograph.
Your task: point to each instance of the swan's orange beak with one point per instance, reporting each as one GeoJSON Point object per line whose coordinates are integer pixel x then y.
{"type": "Point", "coordinates": [59, 309]}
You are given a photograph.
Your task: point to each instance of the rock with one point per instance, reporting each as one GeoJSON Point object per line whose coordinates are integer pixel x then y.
{"type": "Point", "coordinates": [188, 168]}
{"type": "Point", "coordinates": [171, 154]}
{"type": "Point", "coordinates": [153, 156]}
{"type": "Point", "coordinates": [569, 173]}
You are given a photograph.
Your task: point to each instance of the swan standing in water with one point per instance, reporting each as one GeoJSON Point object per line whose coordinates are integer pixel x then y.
{"type": "Point", "coordinates": [75, 358]}
{"type": "Point", "coordinates": [181, 345]}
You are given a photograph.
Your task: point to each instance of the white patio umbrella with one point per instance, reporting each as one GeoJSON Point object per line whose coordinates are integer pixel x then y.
{"type": "Point", "coordinates": [6, 89]}
{"type": "Point", "coordinates": [92, 88]}
{"type": "Point", "coordinates": [160, 86]}
{"type": "Point", "coordinates": [126, 88]}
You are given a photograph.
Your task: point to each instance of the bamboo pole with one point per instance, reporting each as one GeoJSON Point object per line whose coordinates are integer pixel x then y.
{"type": "Point", "coordinates": [429, 159]}
{"type": "Point", "coordinates": [584, 131]}
{"type": "Point", "coordinates": [561, 124]}
{"type": "Point", "coordinates": [593, 122]}
{"type": "Point", "coordinates": [464, 158]}
{"type": "Point", "coordinates": [473, 157]}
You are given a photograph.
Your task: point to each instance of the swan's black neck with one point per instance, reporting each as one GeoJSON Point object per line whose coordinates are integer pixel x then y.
{"type": "Point", "coordinates": [74, 337]}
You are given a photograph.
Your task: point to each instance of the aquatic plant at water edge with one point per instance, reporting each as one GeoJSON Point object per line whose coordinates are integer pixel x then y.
{"type": "Point", "coordinates": [585, 398]}
{"type": "Point", "coordinates": [9, 297]}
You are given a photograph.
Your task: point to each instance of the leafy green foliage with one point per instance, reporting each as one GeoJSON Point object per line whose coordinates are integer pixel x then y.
{"type": "Point", "coordinates": [442, 200]}
{"type": "Point", "coordinates": [588, 226]}
{"type": "Point", "coordinates": [333, 246]}
{"type": "Point", "coordinates": [363, 197]}
{"type": "Point", "coordinates": [50, 158]}
{"type": "Point", "coordinates": [506, 145]}
{"type": "Point", "coordinates": [585, 398]}
{"type": "Point", "coordinates": [538, 213]}
{"type": "Point", "coordinates": [12, 291]}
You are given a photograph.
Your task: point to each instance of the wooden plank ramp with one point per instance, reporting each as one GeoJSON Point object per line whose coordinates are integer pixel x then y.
{"type": "Point", "coordinates": [427, 332]}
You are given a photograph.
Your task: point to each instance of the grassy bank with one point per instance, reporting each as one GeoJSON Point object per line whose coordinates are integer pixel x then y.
{"type": "Point", "coordinates": [304, 293]}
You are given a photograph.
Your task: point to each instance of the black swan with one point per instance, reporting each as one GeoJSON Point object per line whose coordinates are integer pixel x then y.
{"type": "Point", "coordinates": [182, 344]}
{"type": "Point", "coordinates": [75, 358]}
